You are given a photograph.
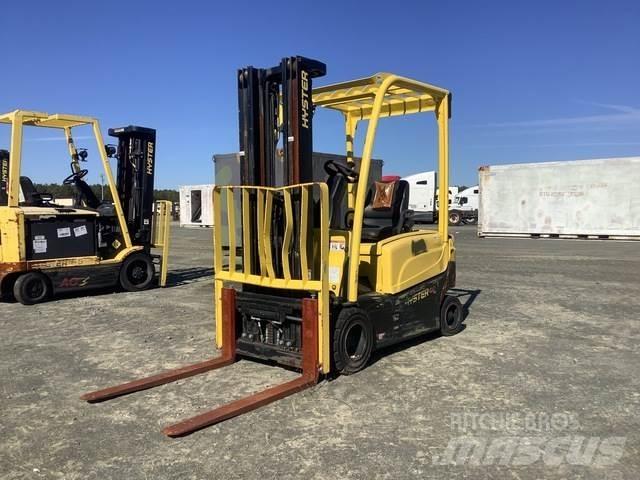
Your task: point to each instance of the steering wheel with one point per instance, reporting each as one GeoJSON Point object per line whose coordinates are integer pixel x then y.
{"type": "Point", "coordinates": [75, 176]}
{"type": "Point", "coordinates": [334, 168]}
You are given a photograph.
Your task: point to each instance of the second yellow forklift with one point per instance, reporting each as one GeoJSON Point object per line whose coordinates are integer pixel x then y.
{"type": "Point", "coordinates": [47, 248]}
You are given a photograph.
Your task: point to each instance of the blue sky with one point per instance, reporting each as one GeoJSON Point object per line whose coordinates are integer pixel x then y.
{"type": "Point", "coordinates": [531, 81]}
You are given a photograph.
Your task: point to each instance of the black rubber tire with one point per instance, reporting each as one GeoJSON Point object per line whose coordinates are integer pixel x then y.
{"type": "Point", "coordinates": [471, 220]}
{"type": "Point", "coordinates": [137, 272]}
{"type": "Point", "coordinates": [352, 341]}
{"type": "Point", "coordinates": [31, 288]}
{"type": "Point", "coordinates": [455, 218]}
{"type": "Point", "coordinates": [451, 316]}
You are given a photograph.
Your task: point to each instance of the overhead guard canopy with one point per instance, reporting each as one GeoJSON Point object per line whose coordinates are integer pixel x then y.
{"type": "Point", "coordinates": [355, 98]}
{"type": "Point", "coordinates": [41, 119]}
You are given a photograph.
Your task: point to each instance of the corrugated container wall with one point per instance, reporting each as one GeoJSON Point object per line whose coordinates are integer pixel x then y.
{"type": "Point", "coordinates": [592, 198]}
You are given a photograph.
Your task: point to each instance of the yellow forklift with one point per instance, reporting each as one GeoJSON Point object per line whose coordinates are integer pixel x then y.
{"type": "Point", "coordinates": [48, 248]}
{"type": "Point", "coordinates": [321, 273]}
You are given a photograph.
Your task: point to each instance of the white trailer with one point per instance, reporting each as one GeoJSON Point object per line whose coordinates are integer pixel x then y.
{"type": "Point", "coordinates": [196, 206]}
{"type": "Point", "coordinates": [576, 199]}
{"type": "Point", "coordinates": [422, 196]}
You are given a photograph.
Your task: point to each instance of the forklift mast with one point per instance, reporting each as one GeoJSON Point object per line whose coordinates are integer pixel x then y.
{"type": "Point", "coordinates": [276, 143]}
{"type": "Point", "coordinates": [276, 111]}
{"type": "Point", "coordinates": [136, 170]}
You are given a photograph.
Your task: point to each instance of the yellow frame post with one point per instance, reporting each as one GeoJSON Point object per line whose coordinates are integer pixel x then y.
{"type": "Point", "coordinates": [161, 235]}
{"type": "Point", "coordinates": [442, 113]}
{"type": "Point", "coordinates": [73, 152]}
{"type": "Point", "coordinates": [16, 159]}
{"type": "Point", "coordinates": [350, 127]}
{"type": "Point", "coordinates": [112, 184]}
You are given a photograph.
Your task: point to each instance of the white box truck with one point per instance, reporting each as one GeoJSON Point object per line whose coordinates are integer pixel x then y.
{"type": "Point", "coordinates": [575, 199]}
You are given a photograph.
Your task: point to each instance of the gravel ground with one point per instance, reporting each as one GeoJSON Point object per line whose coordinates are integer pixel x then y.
{"type": "Point", "coordinates": [542, 383]}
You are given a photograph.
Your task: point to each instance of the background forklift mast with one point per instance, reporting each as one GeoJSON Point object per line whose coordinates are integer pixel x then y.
{"type": "Point", "coordinates": [136, 154]}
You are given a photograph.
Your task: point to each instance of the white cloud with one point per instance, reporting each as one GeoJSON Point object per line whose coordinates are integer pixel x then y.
{"type": "Point", "coordinates": [623, 114]}
{"type": "Point", "coordinates": [554, 145]}
{"type": "Point", "coordinates": [59, 138]}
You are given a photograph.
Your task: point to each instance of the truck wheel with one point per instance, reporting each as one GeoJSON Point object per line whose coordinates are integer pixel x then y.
{"type": "Point", "coordinates": [455, 218]}
{"type": "Point", "coordinates": [450, 316]}
{"type": "Point", "coordinates": [31, 288]}
{"type": "Point", "coordinates": [352, 341]}
{"type": "Point", "coordinates": [137, 272]}
{"type": "Point", "coordinates": [471, 220]}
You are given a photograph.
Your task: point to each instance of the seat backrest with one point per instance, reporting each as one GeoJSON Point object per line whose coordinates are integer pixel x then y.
{"type": "Point", "coordinates": [29, 192]}
{"type": "Point", "coordinates": [387, 199]}
{"type": "Point", "coordinates": [386, 206]}
{"type": "Point", "coordinates": [337, 185]}
{"type": "Point", "coordinates": [85, 193]}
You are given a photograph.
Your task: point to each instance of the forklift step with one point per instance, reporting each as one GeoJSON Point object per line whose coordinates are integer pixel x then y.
{"type": "Point", "coordinates": [308, 378]}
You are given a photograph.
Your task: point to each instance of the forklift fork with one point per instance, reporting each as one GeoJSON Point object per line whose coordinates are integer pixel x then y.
{"type": "Point", "coordinates": [308, 378]}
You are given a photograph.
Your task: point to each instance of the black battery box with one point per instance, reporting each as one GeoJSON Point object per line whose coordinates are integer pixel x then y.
{"type": "Point", "coordinates": [61, 237]}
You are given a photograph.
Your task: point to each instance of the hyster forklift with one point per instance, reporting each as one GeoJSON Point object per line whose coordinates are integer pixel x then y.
{"type": "Point", "coordinates": [46, 248]}
{"type": "Point", "coordinates": [317, 282]}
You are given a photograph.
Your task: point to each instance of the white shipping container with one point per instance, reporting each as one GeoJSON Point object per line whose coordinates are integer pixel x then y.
{"type": "Point", "coordinates": [196, 206]}
{"type": "Point", "coordinates": [593, 198]}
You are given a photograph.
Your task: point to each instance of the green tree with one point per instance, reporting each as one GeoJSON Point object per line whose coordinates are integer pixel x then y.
{"type": "Point", "coordinates": [67, 191]}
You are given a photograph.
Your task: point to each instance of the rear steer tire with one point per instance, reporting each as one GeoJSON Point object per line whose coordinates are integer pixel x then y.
{"type": "Point", "coordinates": [455, 218]}
{"type": "Point", "coordinates": [451, 316]}
{"type": "Point", "coordinates": [137, 272]}
{"type": "Point", "coordinates": [352, 341]}
{"type": "Point", "coordinates": [31, 288]}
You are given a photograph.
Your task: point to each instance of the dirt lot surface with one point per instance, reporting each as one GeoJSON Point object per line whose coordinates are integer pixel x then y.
{"type": "Point", "coordinates": [544, 381]}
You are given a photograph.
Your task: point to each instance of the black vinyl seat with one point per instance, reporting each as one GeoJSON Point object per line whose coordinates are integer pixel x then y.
{"type": "Point", "coordinates": [85, 194]}
{"type": "Point", "coordinates": [33, 198]}
{"type": "Point", "coordinates": [337, 185]}
{"type": "Point", "coordinates": [381, 222]}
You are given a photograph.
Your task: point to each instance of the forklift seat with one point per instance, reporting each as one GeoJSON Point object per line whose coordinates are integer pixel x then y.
{"type": "Point", "coordinates": [386, 211]}
{"type": "Point", "coordinates": [337, 185]}
{"type": "Point", "coordinates": [85, 193]}
{"type": "Point", "coordinates": [33, 198]}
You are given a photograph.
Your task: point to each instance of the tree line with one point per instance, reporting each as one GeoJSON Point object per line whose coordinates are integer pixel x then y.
{"type": "Point", "coordinates": [61, 191]}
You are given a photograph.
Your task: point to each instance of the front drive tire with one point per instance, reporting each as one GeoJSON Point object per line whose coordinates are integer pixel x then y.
{"type": "Point", "coordinates": [455, 218]}
{"type": "Point", "coordinates": [451, 316]}
{"type": "Point", "coordinates": [352, 341]}
{"type": "Point", "coordinates": [137, 272]}
{"type": "Point", "coordinates": [31, 288]}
